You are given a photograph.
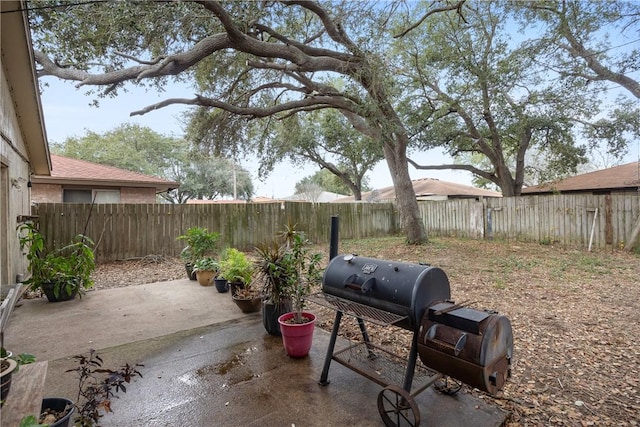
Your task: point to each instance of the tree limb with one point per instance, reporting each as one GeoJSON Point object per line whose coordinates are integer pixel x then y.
{"type": "Point", "coordinates": [487, 175]}
{"type": "Point", "coordinates": [457, 6]}
{"type": "Point", "coordinates": [251, 112]}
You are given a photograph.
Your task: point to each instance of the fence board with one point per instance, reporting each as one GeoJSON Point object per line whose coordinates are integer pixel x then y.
{"type": "Point", "coordinates": [131, 231]}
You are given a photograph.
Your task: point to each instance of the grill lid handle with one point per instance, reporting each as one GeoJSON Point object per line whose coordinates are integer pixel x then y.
{"type": "Point", "coordinates": [357, 283]}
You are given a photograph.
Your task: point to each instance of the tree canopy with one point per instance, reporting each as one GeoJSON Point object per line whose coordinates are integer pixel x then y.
{"type": "Point", "coordinates": [493, 103]}
{"type": "Point", "coordinates": [267, 59]}
{"type": "Point", "coordinates": [211, 178]}
{"type": "Point", "coordinates": [405, 75]}
{"type": "Point", "coordinates": [326, 181]}
{"type": "Point", "coordinates": [128, 146]}
{"type": "Point", "coordinates": [326, 139]}
{"type": "Point", "coordinates": [140, 149]}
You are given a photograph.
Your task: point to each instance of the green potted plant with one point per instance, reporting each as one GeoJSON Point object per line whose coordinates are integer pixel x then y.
{"type": "Point", "coordinates": [272, 266]}
{"type": "Point", "coordinates": [9, 365]}
{"type": "Point", "coordinates": [206, 270]}
{"type": "Point", "coordinates": [237, 269]}
{"type": "Point", "coordinates": [200, 243]}
{"type": "Point", "coordinates": [302, 271]}
{"type": "Point", "coordinates": [60, 273]}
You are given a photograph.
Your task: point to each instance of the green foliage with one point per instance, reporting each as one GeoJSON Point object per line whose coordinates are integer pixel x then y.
{"type": "Point", "coordinates": [200, 243]}
{"type": "Point", "coordinates": [68, 268]}
{"type": "Point", "coordinates": [129, 146]}
{"type": "Point", "coordinates": [21, 359]}
{"type": "Point", "coordinates": [494, 102]}
{"type": "Point", "coordinates": [31, 421]}
{"type": "Point", "coordinates": [327, 139]}
{"type": "Point", "coordinates": [287, 268]}
{"type": "Point", "coordinates": [328, 181]}
{"type": "Point", "coordinates": [235, 266]}
{"type": "Point", "coordinates": [206, 264]}
{"type": "Point", "coordinates": [211, 178]}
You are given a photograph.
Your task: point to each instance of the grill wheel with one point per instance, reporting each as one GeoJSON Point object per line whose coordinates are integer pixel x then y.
{"type": "Point", "coordinates": [397, 407]}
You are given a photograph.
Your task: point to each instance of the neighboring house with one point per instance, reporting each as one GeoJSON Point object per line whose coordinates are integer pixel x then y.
{"type": "Point", "coordinates": [428, 189]}
{"type": "Point", "coordinates": [79, 181]}
{"type": "Point", "coordinates": [320, 197]}
{"type": "Point", "coordinates": [23, 149]}
{"type": "Point", "coordinates": [616, 180]}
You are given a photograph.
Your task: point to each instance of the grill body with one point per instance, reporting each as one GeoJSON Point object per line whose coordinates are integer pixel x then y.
{"type": "Point", "coordinates": [470, 345]}
{"type": "Point", "coordinates": [401, 288]}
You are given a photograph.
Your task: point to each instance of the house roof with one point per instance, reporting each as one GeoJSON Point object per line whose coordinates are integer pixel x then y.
{"type": "Point", "coordinates": [322, 197]}
{"type": "Point", "coordinates": [625, 176]}
{"type": "Point", "coordinates": [428, 187]}
{"type": "Point", "coordinates": [18, 62]}
{"type": "Point", "coordinates": [70, 171]}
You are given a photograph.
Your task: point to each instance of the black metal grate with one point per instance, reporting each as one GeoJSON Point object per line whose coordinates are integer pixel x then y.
{"type": "Point", "coordinates": [383, 367]}
{"type": "Point", "coordinates": [365, 312]}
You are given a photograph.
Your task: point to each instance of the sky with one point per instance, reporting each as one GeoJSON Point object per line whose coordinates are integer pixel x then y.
{"type": "Point", "coordinates": [67, 113]}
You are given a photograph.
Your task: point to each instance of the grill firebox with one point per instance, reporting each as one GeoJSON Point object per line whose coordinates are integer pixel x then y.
{"type": "Point", "coordinates": [473, 346]}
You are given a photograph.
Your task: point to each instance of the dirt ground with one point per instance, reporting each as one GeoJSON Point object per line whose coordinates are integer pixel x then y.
{"type": "Point", "coordinates": [575, 316]}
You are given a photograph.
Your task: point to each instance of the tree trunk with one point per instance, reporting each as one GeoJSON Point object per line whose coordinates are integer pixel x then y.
{"type": "Point", "coordinates": [410, 220]}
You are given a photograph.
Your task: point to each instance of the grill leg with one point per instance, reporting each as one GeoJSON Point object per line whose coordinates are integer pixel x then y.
{"type": "Point", "coordinates": [332, 344]}
{"type": "Point", "coordinates": [365, 337]}
{"type": "Point", "coordinates": [411, 363]}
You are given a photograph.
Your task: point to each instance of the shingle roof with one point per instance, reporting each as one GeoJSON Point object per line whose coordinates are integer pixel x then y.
{"type": "Point", "coordinates": [618, 177]}
{"type": "Point", "coordinates": [65, 169]}
{"type": "Point", "coordinates": [429, 187]}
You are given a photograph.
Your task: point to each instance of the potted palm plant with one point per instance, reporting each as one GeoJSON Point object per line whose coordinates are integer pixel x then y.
{"type": "Point", "coordinates": [62, 273]}
{"type": "Point", "coordinates": [302, 270]}
{"type": "Point", "coordinates": [271, 276]}
{"type": "Point", "coordinates": [237, 269]}
{"type": "Point", "coordinates": [200, 243]}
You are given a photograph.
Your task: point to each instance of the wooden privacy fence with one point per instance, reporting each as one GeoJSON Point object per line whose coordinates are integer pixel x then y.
{"type": "Point", "coordinates": [124, 231]}
{"type": "Point", "coordinates": [596, 221]}
{"type": "Point", "coordinates": [136, 230]}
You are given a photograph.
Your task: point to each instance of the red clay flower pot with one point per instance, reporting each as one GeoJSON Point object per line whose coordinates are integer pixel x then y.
{"type": "Point", "coordinates": [297, 338]}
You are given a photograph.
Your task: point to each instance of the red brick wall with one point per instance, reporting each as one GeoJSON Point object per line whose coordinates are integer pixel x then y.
{"type": "Point", "coordinates": [52, 193]}
{"type": "Point", "coordinates": [46, 193]}
{"type": "Point", "coordinates": [137, 195]}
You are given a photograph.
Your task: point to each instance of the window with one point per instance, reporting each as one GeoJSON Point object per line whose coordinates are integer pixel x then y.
{"type": "Point", "coordinates": [87, 196]}
{"type": "Point", "coordinates": [76, 196]}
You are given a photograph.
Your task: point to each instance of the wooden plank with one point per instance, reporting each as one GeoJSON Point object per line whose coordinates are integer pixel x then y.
{"type": "Point", "coordinates": [25, 395]}
{"type": "Point", "coordinates": [633, 236]}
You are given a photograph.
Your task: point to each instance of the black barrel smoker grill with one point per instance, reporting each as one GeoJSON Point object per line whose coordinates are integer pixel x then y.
{"type": "Point", "coordinates": [472, 346]}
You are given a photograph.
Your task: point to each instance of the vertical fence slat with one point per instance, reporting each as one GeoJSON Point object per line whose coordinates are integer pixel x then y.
{"type": "Point", "coordinates": [131, 231]}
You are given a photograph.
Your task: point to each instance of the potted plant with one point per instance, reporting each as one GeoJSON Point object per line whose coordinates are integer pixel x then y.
{"type": "Point", "coordinates": [237, 269]}
{"type": "Point", "coordinates": [200, 243]}
{"type": "Point", "coordinates": [302, 270]}
{"type": "Point", "coordinates": [206, 269]}
{"type": "Point", "coordinates": [60, 273]}
{"type": "Point", "coordinates": [96, 387]}
{"type": "Point", "coordinates": [273, 266]}
{"type": "Point", "coordinates": [9, 365]}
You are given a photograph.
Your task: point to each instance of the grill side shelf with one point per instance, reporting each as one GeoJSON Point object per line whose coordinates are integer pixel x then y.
{"type": "Point", "coordinates": [365, 312]}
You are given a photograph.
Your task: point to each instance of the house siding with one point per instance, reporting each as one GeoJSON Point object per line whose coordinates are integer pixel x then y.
{"type": "Point", "coordinates": [15, 198]}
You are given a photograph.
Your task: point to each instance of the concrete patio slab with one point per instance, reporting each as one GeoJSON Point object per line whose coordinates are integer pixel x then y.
{"type": "Point", "coordinates": [208, 364]}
